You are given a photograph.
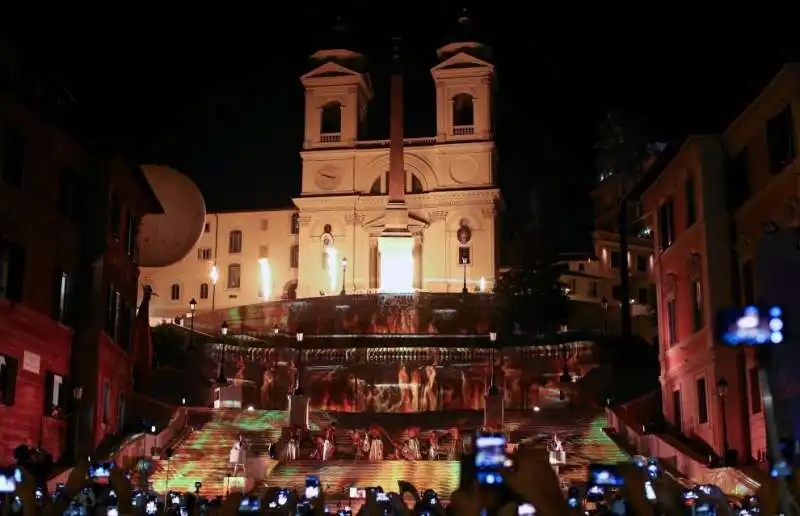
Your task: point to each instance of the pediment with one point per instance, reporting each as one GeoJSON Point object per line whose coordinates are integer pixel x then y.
{"type": "Point", "coordinates": [415, 223]}
{"type": "Point", "coordinates": [330, 69]}
{"type": "Point", "coordinates": [462, 60]}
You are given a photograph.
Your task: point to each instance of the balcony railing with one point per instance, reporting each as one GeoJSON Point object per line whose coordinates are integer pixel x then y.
{"type": "Point", "coordinates": [330, 137]}
{"type": "Point", "coordinates": [463, 130]}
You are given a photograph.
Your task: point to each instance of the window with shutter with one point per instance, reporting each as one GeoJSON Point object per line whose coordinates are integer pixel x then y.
{"type": "Point", "coordinates": [12, 271]}
{"type": "Point", "coordinates": [8, 379]}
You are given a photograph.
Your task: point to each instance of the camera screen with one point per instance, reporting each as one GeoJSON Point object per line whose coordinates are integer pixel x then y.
{"type": "Point", "coordinates": [312, 487]}
{"type": "Point", "coordinates": [750, 326]}
{"type": "Point", "coordinates": [357, 493]}
{"type": "Point", "coordinates": [100, 471]}
{"type": "Point", "coordinates": [605, 475]}
{"type": "Point", "coordinates": [151, 507]}
{"type": "Point", "coordinates": [526, 509]}
{"type": "Point", "coordinates": [490, 458]}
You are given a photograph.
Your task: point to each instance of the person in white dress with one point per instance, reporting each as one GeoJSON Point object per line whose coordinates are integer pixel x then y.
{"type": "Point", "coordinates": [375, 444]}
{"type": "Point", "coordinates": [238, 455]}
{"type": "Point", "coordinates": [414, 451]}
{"type": "Point", "coordinates": [433, 446]}
{"type": "Point", "coordinates": [293, 446]}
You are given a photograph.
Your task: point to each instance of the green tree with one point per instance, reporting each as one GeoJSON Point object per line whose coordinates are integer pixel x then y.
{"type": "Point", "coordinates": [534, 299]}
{"type": "Point", "coordinates": [169, 345]}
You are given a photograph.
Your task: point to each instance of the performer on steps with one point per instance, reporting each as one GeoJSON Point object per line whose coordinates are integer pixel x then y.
{"type": "Point", "coordinates": [414, 451]}
{"type": "Point", "coordinates": [327, 444]}
{"type": "Point", "coordinates": [375, 444]}
{"type": "Point", "coordinates": [293, 446]}
{"type": "Point", "coordinates": [457, 448]}
{"type": "Point", "coordinates": [238, 455]}
{"type": "Point", "coordinates": [433, 446]}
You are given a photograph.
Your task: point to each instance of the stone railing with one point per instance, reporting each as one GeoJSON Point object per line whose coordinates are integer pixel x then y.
{"type": "Point", "coordinates": [669, 450]}
{"type": "Point", "coordinates": [146, 444]}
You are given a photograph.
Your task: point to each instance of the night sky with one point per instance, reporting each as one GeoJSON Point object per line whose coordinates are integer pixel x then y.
{"type": "Point", "coordinates": [215, 93]}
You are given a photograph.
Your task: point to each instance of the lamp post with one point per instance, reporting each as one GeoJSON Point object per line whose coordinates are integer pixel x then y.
{"type": "Point", "coordinates": [344, 274]}
{"type": "Point", "coordinates": [464, 289]}
{"type": "Point", "coordinates": [298, 389]}
{"type": "Point", "coordinates": [214, 276]}
{"type": "Point", "coordinates": [77, 394]}
{"type": "Point", "coordinates": [604, 304]}
{"type": "Point", "coordinates": [722, 392]}
{"type": "Point", "coordinates": [492, 384]}
{"type": "Point", "coordinates": [221, 378]}
{"type": "Point", "coordinates": [192, 308]}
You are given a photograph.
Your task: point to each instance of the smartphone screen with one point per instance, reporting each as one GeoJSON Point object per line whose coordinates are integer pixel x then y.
{"type": "Point", "coordinates": [8, 481]}
{"type": "Point", "coordinates": [649, 492]}
{"type": "Point", "coordinates": [312, 487]}
{"type": "Point", "coordinates": [490, 458]}
{"type": "Point", "coordinates": [605, 475]}
{"type": "Point", "coordinates": [357, 493]}
{"type": "Point", "coordinates": [526, 509]}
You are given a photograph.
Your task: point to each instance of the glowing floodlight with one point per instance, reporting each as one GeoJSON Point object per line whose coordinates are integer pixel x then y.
{"type": "Point", "coordinates": [332, 262]}
{"type": "Point", "coordinates": [265, 277]}
{"type": "Point", "coordinates": [214, 274]}
{"type": "Point", "coordinates": [397, 264]}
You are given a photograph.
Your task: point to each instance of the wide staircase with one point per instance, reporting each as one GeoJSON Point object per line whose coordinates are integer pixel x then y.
{"type": "Point", "coordinates": [203, 456]}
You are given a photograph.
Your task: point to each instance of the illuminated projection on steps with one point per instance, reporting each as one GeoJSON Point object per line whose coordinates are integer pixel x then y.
{"type": "Point", "coordinates": [397, 263]}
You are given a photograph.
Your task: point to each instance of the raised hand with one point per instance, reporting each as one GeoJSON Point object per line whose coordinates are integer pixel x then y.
{"type": "Point", "coordinates": [533, 479]}
{"type": "Point", "coordinates": [122, 486]}
{"type": "Point", "coordinates": [26, 490]}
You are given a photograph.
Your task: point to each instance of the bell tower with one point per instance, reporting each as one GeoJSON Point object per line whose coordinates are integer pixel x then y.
{"type": "Point", "coordinates": [464, 86]}
{"type": "Point", "coordinates": [338, 90]}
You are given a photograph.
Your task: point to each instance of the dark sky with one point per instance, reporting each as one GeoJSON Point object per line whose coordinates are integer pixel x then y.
{"type": "Point", "coordinates": [215, 93]}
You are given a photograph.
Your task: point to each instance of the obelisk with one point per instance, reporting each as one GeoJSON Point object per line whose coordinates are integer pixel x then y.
{"type": "Point", "coordinates": [396, 245]}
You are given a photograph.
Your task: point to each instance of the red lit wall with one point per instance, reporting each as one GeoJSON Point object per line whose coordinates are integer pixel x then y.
{"type": "Point", "coordinates": [39, 345]}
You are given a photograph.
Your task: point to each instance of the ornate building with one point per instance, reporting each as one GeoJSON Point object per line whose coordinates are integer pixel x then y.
{"type": "Point", "coordinates": [331, 242]}
{"type": "Point", "coordinates": [712, 204]}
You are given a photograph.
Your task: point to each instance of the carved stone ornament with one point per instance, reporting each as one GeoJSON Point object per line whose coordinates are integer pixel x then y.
{"type": "Point", "coordinates": [464, 234]}
{"type": "Point", "coordinates": [488, 213]}
{"type": "Point", "coordinates": [670, 280]}
{"type": "Point", "coordinates": [305, 220]}
{"type": "Point", "coordinates": [354, 218]}
{"type": "Point", "coordinates": [790, 212]}
{"type": "Point", "coordinates": [437, 216]}
{"type": "Point", "coordinates": [327, 239]}
{"type": "Point", "coordinates": [694, 266]}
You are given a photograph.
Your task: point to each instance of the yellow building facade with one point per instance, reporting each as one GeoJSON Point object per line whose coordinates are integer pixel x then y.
{"type": "Point", "coordinates": [328, 243]}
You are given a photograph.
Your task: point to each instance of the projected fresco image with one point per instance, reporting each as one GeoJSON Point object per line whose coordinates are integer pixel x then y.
{"type": "Point", "coordinates": [401, 380]}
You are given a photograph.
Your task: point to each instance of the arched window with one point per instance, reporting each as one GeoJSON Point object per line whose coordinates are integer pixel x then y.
{"type": "Point", "coordinates": [175, 292]}
{"type": "Point", "coordinates": [235, 242]}
{"type": "Point", "coordinates": [381, 184]}
{"type": "Point", "coordinates": [416, 184]}
{"type": "Point", "coordinates": [331, 122]}
{"type": "Point", "coordinates": [204, 291]}
{"type": "Point", "coordinates": [295, 223]}
{"type": "Point", "coordinates": [463, 112]}
{"type": "Point", "coordinates": [234, 275]}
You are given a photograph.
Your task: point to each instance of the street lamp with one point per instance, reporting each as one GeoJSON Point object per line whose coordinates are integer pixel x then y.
{"type": "Point", "coordinates": [214, 276]}
{"type": "Point", "coordinates": [221, 378]}
{"type": "Point", "coordinates": [464, 260]}
{"type": "Point", "coordinates": [604, 304]}
{"type": "Point", "coordinates": [192, 308]}
{"type": "Point", "coordinates": [344, 273]}
{"type": "Point", "coordinates": [298, 390]}
{"type": "Point", "coordinates": [492, 384]}
{"type": "Point", "coordinates": [722, 392]}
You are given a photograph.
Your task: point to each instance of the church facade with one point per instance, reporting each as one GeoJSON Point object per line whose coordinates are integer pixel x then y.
{"type": "Point", "coordinates": [329, 243]}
